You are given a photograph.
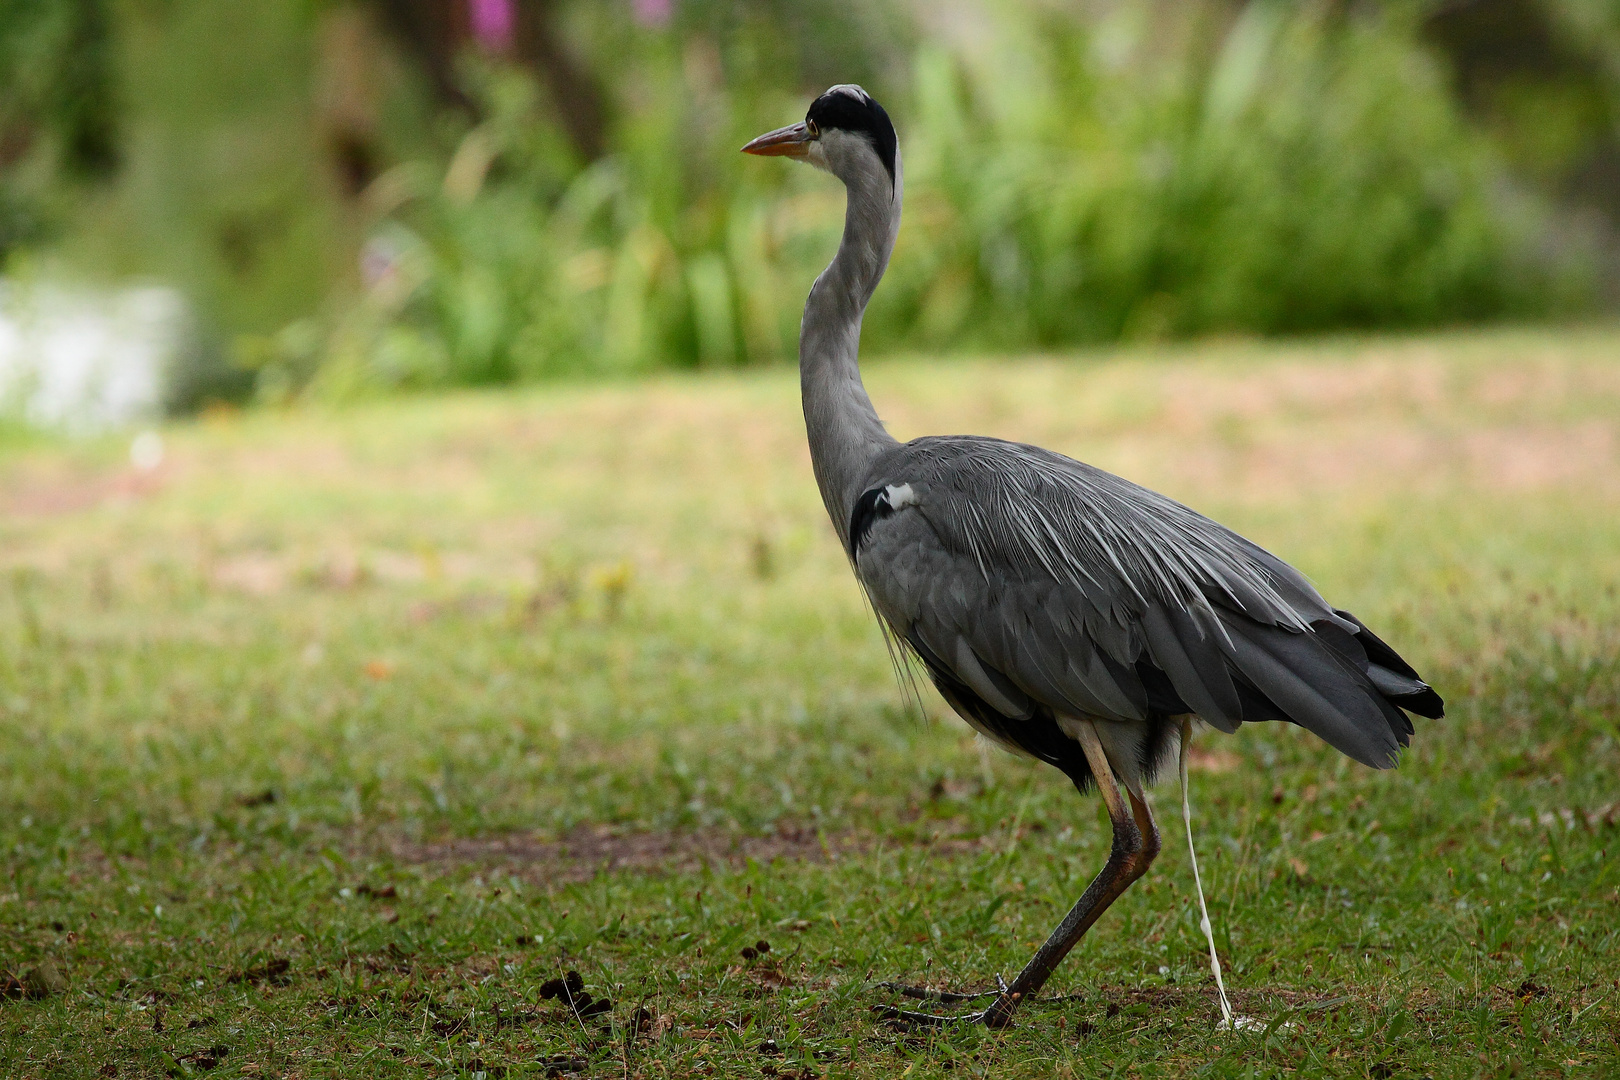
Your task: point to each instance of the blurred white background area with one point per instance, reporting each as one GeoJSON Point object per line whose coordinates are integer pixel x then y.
{"type": "Point", "coordinates": [83, 361]}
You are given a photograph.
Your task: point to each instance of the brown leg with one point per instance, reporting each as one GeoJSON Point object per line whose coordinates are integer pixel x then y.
{"type": "Point", "coordinates": [1136, 842]}
{"type": "Point", "coordinates": [1149, 830]}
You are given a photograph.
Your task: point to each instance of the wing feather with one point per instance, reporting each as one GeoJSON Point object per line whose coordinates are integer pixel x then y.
{"type": "Point", "coordinates": [1038, 582]}
{"type": "Point", "coordinates": [1197, 672]}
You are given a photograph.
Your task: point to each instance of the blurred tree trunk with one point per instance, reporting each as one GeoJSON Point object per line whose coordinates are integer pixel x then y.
{"type": "Point", "coordinates": [85, 101]}
{"type": "Point", "coordinates": [434, 31]}
{"type": "Point", "coordinates": [347, 97]}
{"type": "Point", "coordinates": [575, 90]}
{"type": "Point", "coordinates": [1542, 89]}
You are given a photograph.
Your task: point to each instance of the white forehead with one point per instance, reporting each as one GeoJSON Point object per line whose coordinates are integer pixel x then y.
{"type": "Point", "coordinates": [850, 90]}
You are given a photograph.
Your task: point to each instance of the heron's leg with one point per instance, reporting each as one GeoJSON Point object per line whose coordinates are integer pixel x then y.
{"type": "Point", "coordinates": [1128, 860]}
{"type": "Point", "coordinates": [1136, 842]}
{"type": "Point", "coordinates": [1149, 830]}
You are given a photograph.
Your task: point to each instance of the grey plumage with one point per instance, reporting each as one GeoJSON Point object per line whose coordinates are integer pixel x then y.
{"type": "Point", "coordinates": [1062, 611]}
{"type": "Point", "coordinates": [1081, 592]}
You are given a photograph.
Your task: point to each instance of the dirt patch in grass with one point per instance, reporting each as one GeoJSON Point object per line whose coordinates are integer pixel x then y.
{"type": "Point", "coordinates": [589, 850]}
{"type": "Point", "coordinates": [49, 489]}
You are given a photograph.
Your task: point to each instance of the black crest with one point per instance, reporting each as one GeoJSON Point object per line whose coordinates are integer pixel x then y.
{"type": "Point", "coordinates": [854, 110]}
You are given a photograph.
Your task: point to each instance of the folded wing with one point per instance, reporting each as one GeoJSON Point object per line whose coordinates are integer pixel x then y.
{"type": "Point", "coordinates": [1041, 586]}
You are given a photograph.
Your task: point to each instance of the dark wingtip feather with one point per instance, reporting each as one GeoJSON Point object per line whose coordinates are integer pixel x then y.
{"type": "Point", "coordinates": [1377, 650]}
{"type": "Point", "coordinates": [1425, 703]}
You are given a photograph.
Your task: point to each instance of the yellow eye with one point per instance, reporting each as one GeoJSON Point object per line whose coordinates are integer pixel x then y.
{"type": "Point", "coordinates": [815, 131]}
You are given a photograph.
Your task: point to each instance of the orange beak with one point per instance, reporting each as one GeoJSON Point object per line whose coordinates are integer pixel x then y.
{"type": "Point", "coordinates": [791, 141]}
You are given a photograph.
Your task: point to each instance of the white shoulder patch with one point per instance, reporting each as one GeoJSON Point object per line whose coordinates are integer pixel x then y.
{"type": "Point", "coordinates": [901, 496]}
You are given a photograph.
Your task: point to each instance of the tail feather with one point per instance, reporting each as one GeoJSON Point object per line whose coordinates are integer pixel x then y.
{"type": "Point", "coordinates": [1318, 688]}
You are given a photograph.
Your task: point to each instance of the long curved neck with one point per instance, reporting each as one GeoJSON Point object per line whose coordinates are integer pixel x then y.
{"type": "Point", "coordinates": [845, 432]}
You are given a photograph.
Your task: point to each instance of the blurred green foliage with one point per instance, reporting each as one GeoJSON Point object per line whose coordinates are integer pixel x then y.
{"type": "Point", "coordinates": [1134, 170]}
{"type": "Point", "coordinates": [56, 110]}
{"type": "Point", "coordinates": [1541, 77]}
{"type": "Point", "coordinates": [513, 259]}
{"type": "Point", "coordinates": [1311, 173]}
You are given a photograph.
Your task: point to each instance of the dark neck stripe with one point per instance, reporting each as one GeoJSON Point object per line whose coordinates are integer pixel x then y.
{"type": "Point", "coordinates": [872, 505]}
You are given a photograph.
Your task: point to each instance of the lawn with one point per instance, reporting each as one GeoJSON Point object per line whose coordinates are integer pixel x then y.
{"type": "Point", "coordinates": [330, 741]}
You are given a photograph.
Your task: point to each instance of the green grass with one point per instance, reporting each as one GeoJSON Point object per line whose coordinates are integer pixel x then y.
{"type": "Point", "coordinates": [428, 645]}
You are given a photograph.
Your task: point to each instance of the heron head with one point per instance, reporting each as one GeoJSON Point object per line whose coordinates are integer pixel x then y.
{"type": "Point", "coordinates": [845, 132]}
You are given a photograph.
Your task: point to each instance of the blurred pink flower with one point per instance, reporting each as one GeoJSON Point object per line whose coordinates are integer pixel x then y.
{"type": "Point", "coordinates": [492, 22]}
{"type": "Point", "coordinates": [653, 12]}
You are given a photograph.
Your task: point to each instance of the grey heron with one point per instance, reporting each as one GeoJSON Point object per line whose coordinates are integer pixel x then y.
{"type": "Point", "coordinates": [1063, 612]}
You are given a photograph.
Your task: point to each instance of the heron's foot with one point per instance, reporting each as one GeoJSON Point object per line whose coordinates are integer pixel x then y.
{"type": "Point", "coordinates": [944, 997]}
{"type": "Point", "coordinates": [998, 1014]}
